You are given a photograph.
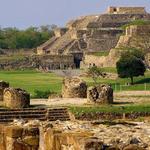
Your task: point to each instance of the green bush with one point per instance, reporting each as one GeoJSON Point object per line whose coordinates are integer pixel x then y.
{"type": "Point", "coordinates": [43, 94]}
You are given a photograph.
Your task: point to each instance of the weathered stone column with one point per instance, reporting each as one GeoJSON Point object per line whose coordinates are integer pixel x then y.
{"type": "Point", "coordinates": [16, 98]}
{"type": "Point", "coordinates": [74, 88]}
{"type": "Point", "coordinates": [101, 94]}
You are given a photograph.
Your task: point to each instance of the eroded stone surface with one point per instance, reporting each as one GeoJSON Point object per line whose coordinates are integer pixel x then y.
{"type": "Point", "coordinates": [3, 85]}
{"type": "Point", "coordinates": [74, 87]}
{"type": "Point", "coordinates": [16, 98]}
{"type": "Point", "coordinates": [76, 135]}
{"type": "Point", "coordinates": [101, 94]}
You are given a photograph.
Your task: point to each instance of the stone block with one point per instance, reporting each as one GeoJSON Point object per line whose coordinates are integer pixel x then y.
{"type": "Point", "coordinates": [101, 94]}
{"type": "Point", "coordinates": [74, 88]}
{"type": "Point", "coordinates": [16, 98]}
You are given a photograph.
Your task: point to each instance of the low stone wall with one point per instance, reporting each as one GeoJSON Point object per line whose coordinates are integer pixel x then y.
{"type": "Point", "coordinates": [44, 62]}
{"type": "Point", "coordinates": [126, 10]}
{"type": "Point", "coordinates": [91, 60]}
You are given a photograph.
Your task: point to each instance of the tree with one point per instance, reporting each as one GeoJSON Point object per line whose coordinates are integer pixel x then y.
{"type": "Point", "coordinates": [95, 73]}
{"type": "Point", "coordinates": [130, 65]}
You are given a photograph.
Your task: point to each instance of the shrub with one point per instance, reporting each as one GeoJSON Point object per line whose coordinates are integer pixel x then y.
{"type": "Point", "coordinates": [43, 94]}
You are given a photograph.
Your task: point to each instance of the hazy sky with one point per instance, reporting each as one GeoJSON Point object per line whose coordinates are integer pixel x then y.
{"type": "Point", "coordinates": [25, 13]}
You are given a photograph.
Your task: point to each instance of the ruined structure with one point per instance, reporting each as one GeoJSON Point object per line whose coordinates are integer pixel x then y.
{"type": "Point", "coordinates": [74, 88]}
{"type": "Point", "coordinates": [136, 36]}
{"type": "Point", "coordinates": [3, 85]}
{"type": "Point", "coordinates": [16, 98]}
{"type": "Point", "coordinates": [57, 135]}
{"type": "Point", "coordinates": [91, 33]}
{"type": "Point", "coordinates": [101, 94]}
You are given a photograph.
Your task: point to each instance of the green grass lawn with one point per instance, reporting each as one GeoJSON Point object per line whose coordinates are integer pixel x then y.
{"type": "Point", "coordinates": [31, 80]}
{"type": "Point", "coordinates": [110, 109]}
{"type": "Point", "coordinates": [100, 53]}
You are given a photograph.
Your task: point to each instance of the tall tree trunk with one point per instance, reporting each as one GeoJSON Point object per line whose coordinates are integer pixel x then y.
{"type": "Point", "coordinates": [132, 80]}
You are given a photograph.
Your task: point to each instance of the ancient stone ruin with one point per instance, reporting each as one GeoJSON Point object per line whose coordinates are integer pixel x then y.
{"type": "Point", "coordinates": [93, 33]}
{"type": "Point", "coordinates": [74, 87]}
{"type": "Point", "coordinates": [34, 135]}
{"type": "Point", "coordinates": [3, 85]}
{"type": "Point", "coordinates": [101, 94]}
{"type": "Point", "coordinates": [19, 138]}
{"type": "Point", "coordinates": [69, 46]}
{"type": "Point", "coordinates": [16, 98]}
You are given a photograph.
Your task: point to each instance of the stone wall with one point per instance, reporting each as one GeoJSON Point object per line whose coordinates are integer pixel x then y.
{"type": "Point", "coordinates": [77, 34]}
{"type": "Point", "coordinates": [43, 62]}
{"type": "Point", "coordinates": [91, 60]}
{"type": "Point", "coordinates": [126, 10]}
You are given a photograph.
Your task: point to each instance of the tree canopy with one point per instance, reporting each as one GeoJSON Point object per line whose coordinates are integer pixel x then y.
{"type": "Point", "coordinates": [131, 65]}
{"type": "Point", "coordinates": [13, 38]}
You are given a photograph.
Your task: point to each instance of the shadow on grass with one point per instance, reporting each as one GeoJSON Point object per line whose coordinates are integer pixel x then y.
{"type": "Point", "coordinates": [146, 80]}
{"type": "Point", "coordinates": [124, 103]}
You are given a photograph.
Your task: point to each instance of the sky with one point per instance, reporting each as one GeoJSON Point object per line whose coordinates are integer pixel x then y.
{"type": "Point", "coordinates": [25, 13]}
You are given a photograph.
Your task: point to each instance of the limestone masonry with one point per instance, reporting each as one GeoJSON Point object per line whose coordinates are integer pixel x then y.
{"type": "Point", "coordinates": [92, 33]}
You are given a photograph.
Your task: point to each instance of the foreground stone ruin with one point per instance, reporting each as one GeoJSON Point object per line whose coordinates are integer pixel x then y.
{"type": "Point", "coordinates": [77, 135]}
{"type": "Point", "coordinates": [74, 87]}
{"type": "Point", "coordinates": [16, 98]}
{"type": "Point", "coordinates": [101, 94]}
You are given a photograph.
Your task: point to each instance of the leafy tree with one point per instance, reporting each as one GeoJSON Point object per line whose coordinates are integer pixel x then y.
{"type": "Point", "coordinates": [95, 73]}
{"type": "Point", "coordinates": [13, 38]}
{"type": "Point", "coordinates": [130, 65]}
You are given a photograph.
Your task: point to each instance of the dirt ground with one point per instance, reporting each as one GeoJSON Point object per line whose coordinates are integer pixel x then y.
{"type": "Point", "coordinates": [126, 97]}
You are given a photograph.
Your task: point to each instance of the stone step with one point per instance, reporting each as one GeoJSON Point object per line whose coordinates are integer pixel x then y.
{"type": "Point", "coordinates": [22, 112]}
{"type": "Point", "coordinates": [23, 116]}
{"type": "Point", "coordinates": [52, 114]}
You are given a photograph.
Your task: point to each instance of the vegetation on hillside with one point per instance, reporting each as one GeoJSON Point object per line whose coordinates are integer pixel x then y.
{"type": "Point", "coordinates": [13, 38]}
{"type": "Point", "coordinates": [136, 22]}
{"type": "Point", "coordinates": [100, 53]}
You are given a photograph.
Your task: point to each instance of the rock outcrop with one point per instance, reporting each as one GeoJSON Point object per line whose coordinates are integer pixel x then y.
{"type": "Point", "coordinates": [16, 98]}
{"type": "Point", "coordinates": [19, 138]}
{"type": "Point", "coordinates": [35, 135]}
{"type": "Point", "coordinates": [3, 85]}
{"type": "Point", "coordinates": [74, 87]}
{"type": "Point", "coordinates": [101, 94]}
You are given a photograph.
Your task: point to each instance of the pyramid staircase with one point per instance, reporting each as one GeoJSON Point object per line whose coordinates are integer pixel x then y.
{"type": "Point", "coordinates": [61, 43]}
{"type": "Point", "coordinates": [42, 114]}
{"type": "Point", "coordinates": [48, 43]}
